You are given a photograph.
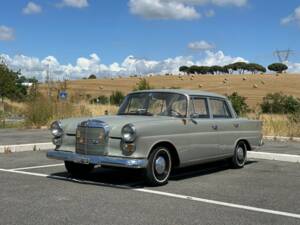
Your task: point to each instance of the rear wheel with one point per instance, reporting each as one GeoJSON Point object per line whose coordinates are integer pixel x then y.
{"type": "Point", "coordinates": [240, 155]}
{"type": "Point", "coordinates": [159, 167]}
{"type": "Point", "coordinates": [77, 169]}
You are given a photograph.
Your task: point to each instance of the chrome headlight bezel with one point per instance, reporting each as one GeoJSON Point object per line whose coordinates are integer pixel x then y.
{"type": "Point", "coordinates": [56, 129]}
{"type": "Point", "coordinates": [129, 133]}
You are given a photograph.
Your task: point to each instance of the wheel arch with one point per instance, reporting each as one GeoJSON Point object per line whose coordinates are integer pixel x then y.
{"type": "Point", "coordinates": [171, 147]}
{"type": "Point", "coordinates": [247, 143]}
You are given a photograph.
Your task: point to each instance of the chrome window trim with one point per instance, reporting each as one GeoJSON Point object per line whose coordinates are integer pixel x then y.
{"type": "Point", "coordinates": [225, 100]}
{"type": "Point", "coordinates": [162, 92]}
{"type": "Point", "coordinates": [206, 103]}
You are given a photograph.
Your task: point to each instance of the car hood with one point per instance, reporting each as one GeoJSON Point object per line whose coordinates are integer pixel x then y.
{"type": "Point", "coordinates": [115, 123]}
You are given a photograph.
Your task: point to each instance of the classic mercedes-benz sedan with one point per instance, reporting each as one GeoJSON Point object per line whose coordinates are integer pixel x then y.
{"type": "Point", "coordinates": [156, 131]}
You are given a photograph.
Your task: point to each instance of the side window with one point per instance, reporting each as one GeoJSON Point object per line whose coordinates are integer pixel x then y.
{"type": "Point", "coordinates": [199, 107]}
{"type": "Point", "coordinates": [219, 109]}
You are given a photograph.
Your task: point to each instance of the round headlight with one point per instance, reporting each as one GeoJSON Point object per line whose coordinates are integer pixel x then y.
{"type": "Point", "coordinates": [128, 133]}
{"type": "Point", "coordinates": [56, 129]}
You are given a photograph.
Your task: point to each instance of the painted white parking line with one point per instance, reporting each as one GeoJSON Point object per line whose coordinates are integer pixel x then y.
{"type": "Point", "coordinates": [214, 202]}
{"type": "Point", "coordinates": [167, 194]}
{"type": "Point", "coordinates": [37, 167]}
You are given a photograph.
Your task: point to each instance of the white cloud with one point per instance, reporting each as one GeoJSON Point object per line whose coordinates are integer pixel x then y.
{"type": "Point", "coordinates": [84, 66]}
{"type": "Point", "coordinates": [177, 9]}
{"type": "Point", "coordinates": [238, 3]}
{"type": "Point", "coordinates": [32, 8]}
{"type": "Point", "coordinates": [293, 67]}
{"type": "Point", "coordinates": [158, 9]}
{"type": "Point", "coordinates": [6, 33]}
{"type": "Point", "coordinates": [294, 17]}
{"type": "Point", "coordinates": [200, 46]}
{"type": "Point", "coordinates": [75, 3]}
{"type": "Point", "coordinates": [219, 58]}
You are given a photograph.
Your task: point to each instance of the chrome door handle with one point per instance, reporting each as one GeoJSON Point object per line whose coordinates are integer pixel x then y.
{"type": "Point", "coordinates": [236, 125]}
{"type": "Point", "coordinates": [215, 127]}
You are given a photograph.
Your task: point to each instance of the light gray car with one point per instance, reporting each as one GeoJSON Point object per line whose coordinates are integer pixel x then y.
{"type": "Point", "coordinates": [157, 130]}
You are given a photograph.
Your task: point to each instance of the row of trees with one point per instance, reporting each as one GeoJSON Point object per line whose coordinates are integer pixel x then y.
{"type": "Point", "coordinates": [238, 67]}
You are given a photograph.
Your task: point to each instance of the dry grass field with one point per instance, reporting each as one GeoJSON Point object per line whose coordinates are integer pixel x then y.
{"type": "Point", "coordinates": [253, 87]}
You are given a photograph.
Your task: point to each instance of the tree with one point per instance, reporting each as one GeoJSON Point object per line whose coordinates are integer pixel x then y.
{"type": "Point", "coordinates": [200, 70]}
{"type": "Point", "coordinates": [143, 85]}
{"type": "Point", "coordinates": [255, 68]}
{"type": "Point", "coordinates": [278, 67]}
{"type": "Point", "coordinates": [193, 69]}
{"type": "Point", "coordinates": [116, 98]}
{"type": "Point", "coordinates": [239, 103]}
{"type": "Point", "coordinates": [92, 76]}
{"type": "Point", "coordinates": [230, 68]}
{"type": "Point", "coordinates": [184, 69]}
{"type": "Point", "coordinates": [218, 70]}
{"type": "Point", "coordinates": [240, 67]}
{"type": "Point", "coordinates": [8, 79]}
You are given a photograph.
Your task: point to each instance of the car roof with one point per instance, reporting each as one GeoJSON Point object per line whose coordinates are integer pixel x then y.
{"type": "Point", "coordinates": [183, 91]}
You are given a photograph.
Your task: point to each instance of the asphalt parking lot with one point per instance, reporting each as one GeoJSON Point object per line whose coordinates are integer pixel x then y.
{"type": "Point", "coordinates": [36, 190]}
{"type": "Point", "coordinates": [24, 136]}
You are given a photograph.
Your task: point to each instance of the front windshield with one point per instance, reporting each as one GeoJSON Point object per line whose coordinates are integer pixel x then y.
{"type": "Point", "coordinates": [154, 104]}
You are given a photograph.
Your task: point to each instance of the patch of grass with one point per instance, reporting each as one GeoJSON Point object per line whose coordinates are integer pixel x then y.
{"type": "Point", "coordinates": [278, 125]}
{"type": "Point", "coordinates": [42, 111]}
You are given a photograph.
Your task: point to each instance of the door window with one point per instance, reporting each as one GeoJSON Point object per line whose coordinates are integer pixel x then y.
{"type": "Point", "coordinates": [199, 108]}
{"type": "Point", "coordinates": [220, 108]}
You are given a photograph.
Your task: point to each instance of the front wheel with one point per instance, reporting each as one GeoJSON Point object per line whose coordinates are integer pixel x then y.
{"type": "Point", "coordinates": [159, 167]}
{"type": "Point", "coordinates": [77, 169]}
{"type": "Point", "coordinates": [240, 155]}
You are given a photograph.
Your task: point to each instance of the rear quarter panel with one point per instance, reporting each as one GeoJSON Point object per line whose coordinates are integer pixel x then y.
{"type": "Point", "coordinates": [234, 130]}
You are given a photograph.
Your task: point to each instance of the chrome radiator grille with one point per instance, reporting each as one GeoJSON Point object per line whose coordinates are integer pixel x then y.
{"type": "Point", "coordinates": [92, 138]}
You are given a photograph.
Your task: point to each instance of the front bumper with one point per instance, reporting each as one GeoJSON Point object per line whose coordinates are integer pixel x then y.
{"type": "Point", "coordinates": [98, 160]}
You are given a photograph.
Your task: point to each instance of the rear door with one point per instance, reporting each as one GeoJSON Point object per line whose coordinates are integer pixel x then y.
{"type": "Point", "coordinates": [225, 123]}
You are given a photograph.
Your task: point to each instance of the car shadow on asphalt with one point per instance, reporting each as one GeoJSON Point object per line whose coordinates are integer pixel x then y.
{"type": "Point", "coordinates": [130, 179]}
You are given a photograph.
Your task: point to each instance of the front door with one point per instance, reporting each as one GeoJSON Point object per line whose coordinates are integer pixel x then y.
{"type": "Point", "coordinates": [203, 137]}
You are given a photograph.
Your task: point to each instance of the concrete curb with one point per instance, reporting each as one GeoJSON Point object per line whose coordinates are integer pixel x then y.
{"type": "Point", "coordinates": [25, 147]}
{"type": "Point", "coordinates": [274, 156]}
{"type": "Point", "coordinates": [280, 138]}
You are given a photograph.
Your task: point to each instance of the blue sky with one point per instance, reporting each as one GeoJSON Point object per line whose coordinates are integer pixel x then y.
{"type": "Point", "coordinates": [150, 31]}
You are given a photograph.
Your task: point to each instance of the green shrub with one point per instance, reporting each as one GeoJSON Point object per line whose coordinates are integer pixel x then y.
{"type": "Point", "coordinates": [102, 99]}
{"type": "Point", "coordinates": [92, 76]}
{"type": "Point", "coordinates": [239, 103]}
{"type": "Point", "coordinates": [143, 85]}
{"type": "Point", "coordinates": [279, 103]}
{"type": "Point", "coordinates": [116, 98]}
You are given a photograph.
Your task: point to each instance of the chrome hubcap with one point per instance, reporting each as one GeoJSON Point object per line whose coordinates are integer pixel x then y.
{"type": "Point", "coordinates": [240, 154]}
{"type": "Point", "coordinates": [160, 165]}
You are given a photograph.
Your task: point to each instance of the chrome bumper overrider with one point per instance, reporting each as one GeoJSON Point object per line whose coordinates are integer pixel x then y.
{"type": "Point", "coordinates": [98, 160]}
